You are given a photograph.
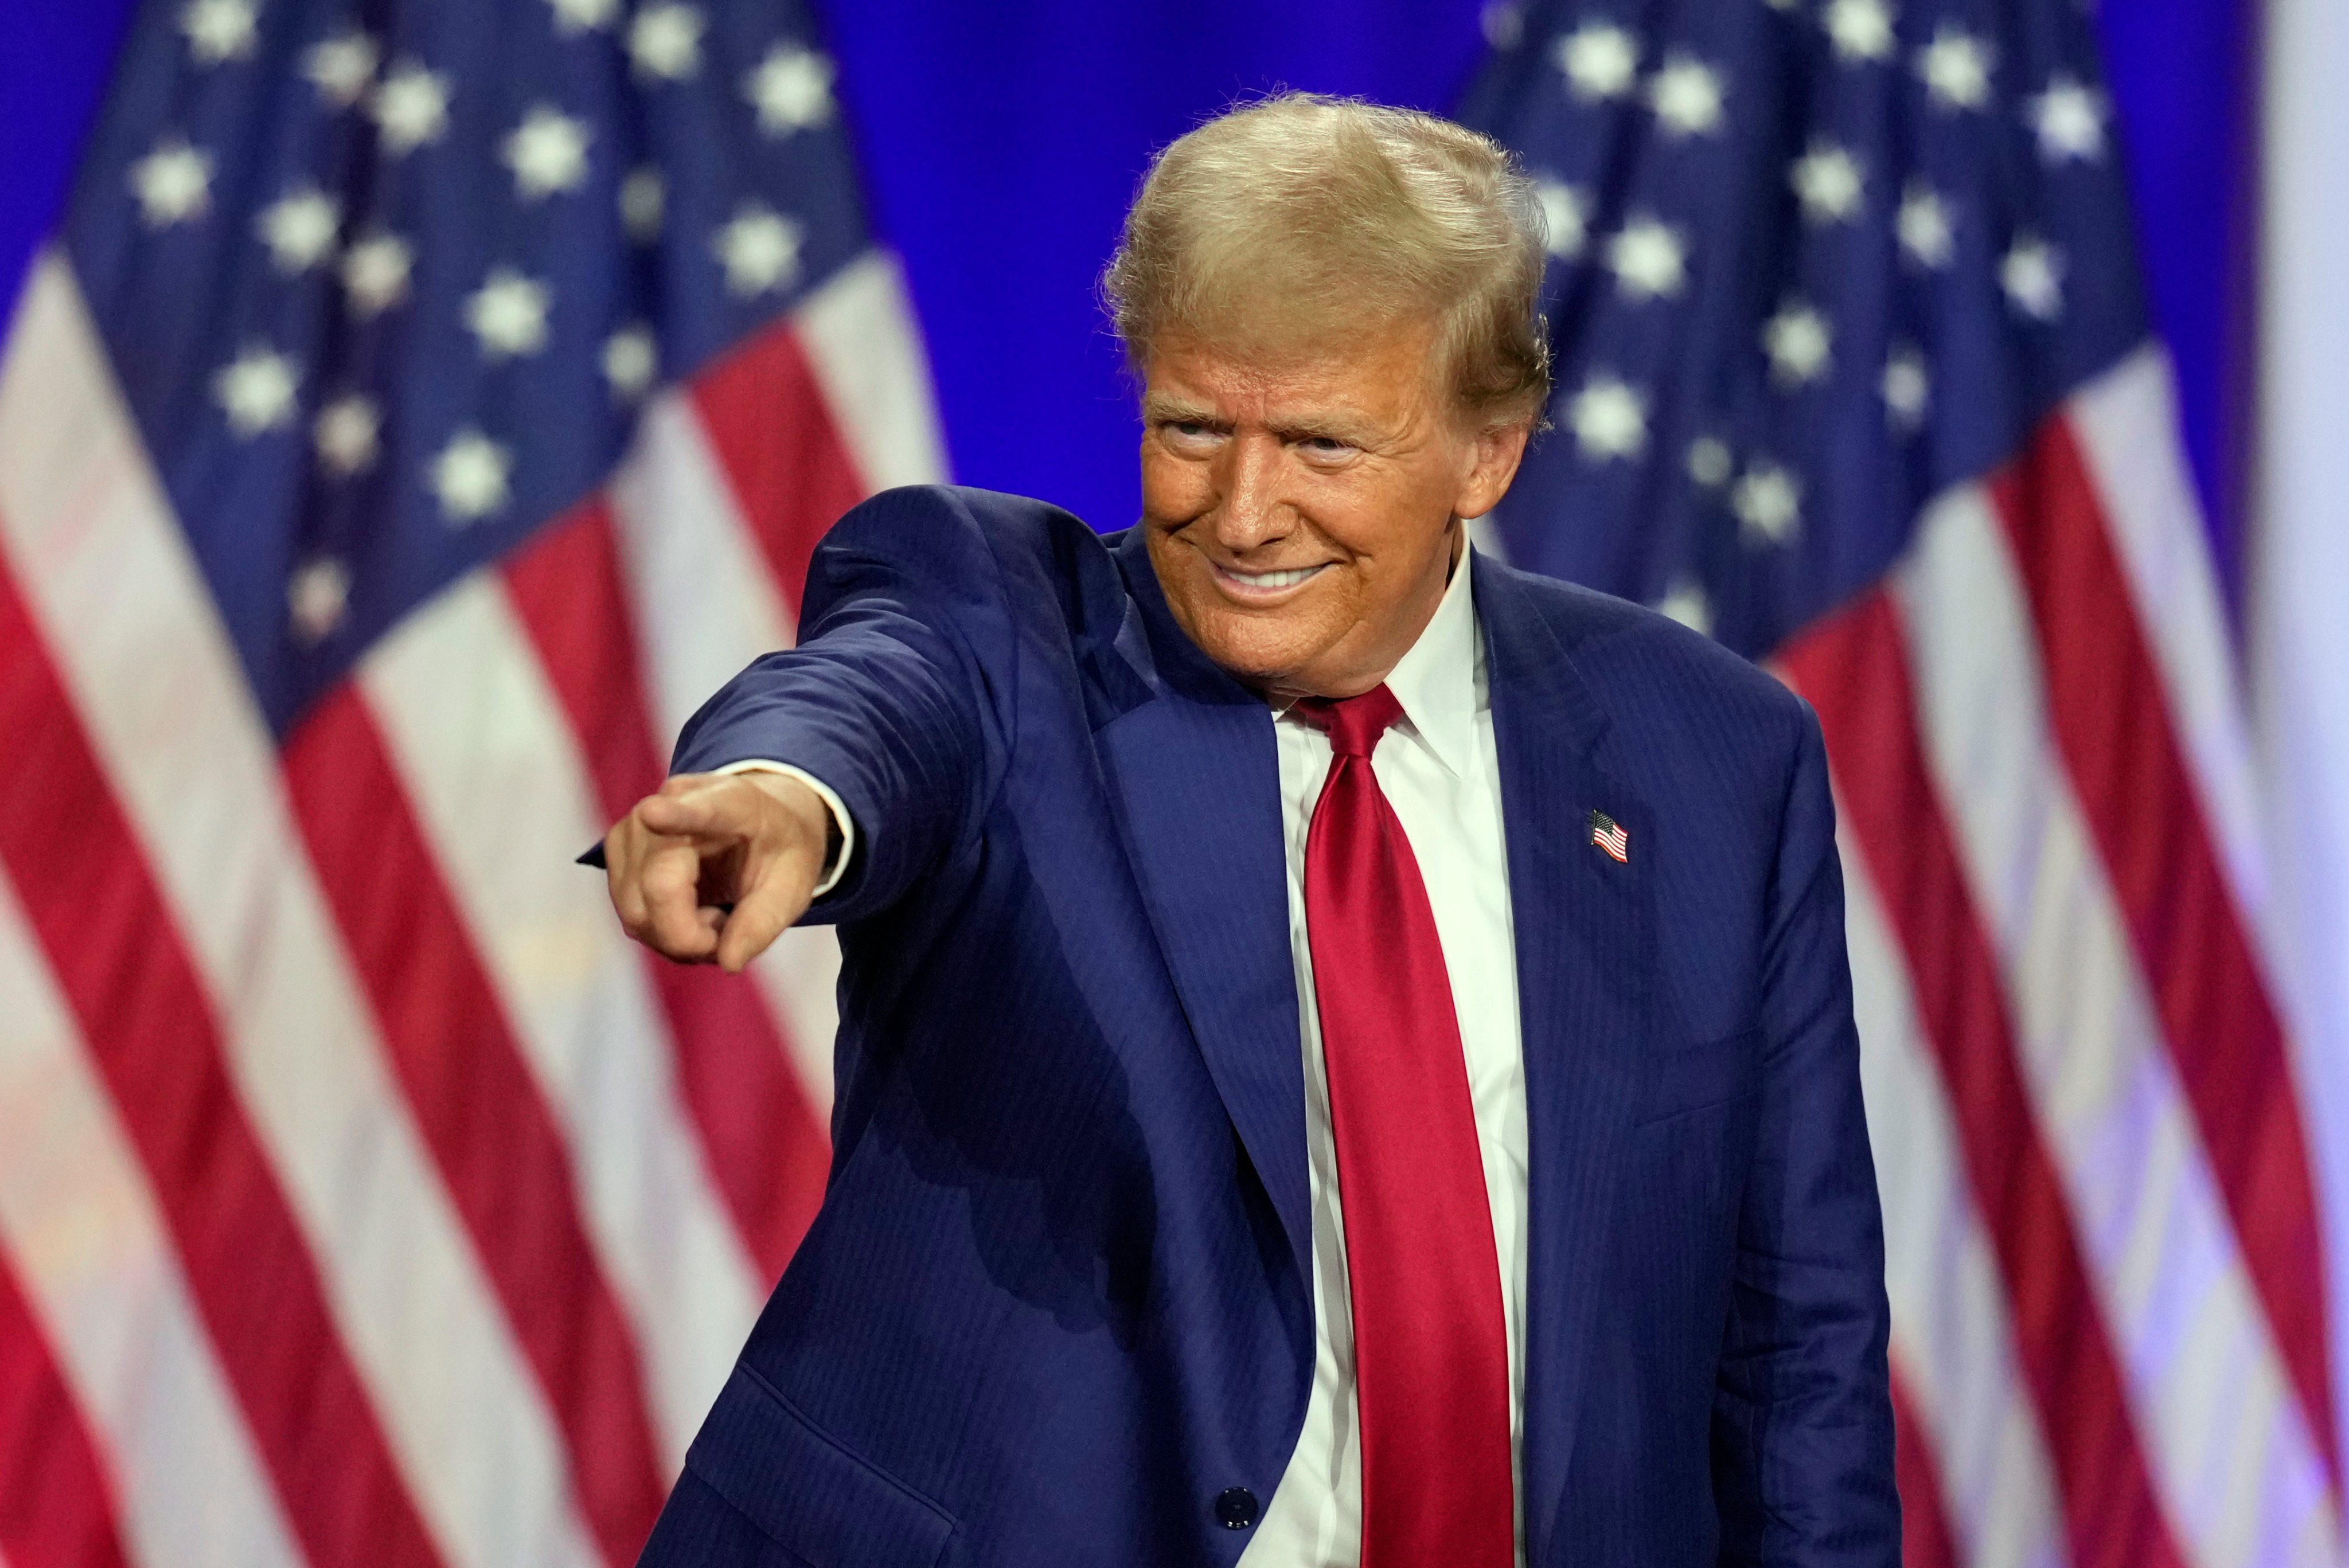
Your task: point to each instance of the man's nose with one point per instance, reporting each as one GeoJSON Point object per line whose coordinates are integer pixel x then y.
{"type": "Point", "coordinates": [1253, 512]}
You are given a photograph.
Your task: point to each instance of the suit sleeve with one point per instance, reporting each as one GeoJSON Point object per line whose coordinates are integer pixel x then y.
{"type": "Point", "coordinates": [1803, 1461]}
{"type": "Point", "coordinates": [888, 698]}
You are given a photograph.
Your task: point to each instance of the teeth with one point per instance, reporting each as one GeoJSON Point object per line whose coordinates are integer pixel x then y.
{"type": "Point", "coordinates": [1271, 578]}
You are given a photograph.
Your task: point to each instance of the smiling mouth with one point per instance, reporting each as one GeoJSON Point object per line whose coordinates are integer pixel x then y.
{"type": "Point", "coordinates": [1264, 583]}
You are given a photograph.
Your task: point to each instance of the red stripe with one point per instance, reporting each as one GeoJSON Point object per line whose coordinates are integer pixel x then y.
{"type": "Point", "coordinates": [1925, 1541]}
{"type": "Point", "coordinates": [768, 1153]}
{"type": "Point", "coordinates": [497, 1144]}
{"type": "Point", "coordinates": [1854, 670]}
{"type": "Point", "coordinates": [2112, 723]}
{"type": "Point", "coordinates": [57, 1510]}
{"type": "Point", "coordinates": [151, 1032]}
{"type": "Point", "coordinates": [773, 433]}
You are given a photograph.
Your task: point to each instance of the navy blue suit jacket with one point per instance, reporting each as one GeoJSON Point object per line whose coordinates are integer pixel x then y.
{"type": "Point", "coordinates": [1057, 1300]}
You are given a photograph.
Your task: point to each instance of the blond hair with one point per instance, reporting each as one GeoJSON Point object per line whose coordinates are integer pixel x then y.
{"type": "Point", "coordinates": [1283, 224]}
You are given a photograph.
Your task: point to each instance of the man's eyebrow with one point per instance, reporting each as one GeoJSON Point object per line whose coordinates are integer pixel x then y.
{"type": "Point", "coordinates": [1338, 425]}
{"type": "Point", "coordinates": [1181, 410]}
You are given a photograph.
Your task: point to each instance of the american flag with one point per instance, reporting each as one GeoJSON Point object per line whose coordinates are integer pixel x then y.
{"type": "Point", "coordinates": [1856, 376]}
{"type": "Point", "coordinates": [422, 407]}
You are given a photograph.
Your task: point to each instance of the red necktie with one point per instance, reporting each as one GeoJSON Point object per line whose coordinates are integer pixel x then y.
{"type": "Point", "coordinates": [1431, 1353]}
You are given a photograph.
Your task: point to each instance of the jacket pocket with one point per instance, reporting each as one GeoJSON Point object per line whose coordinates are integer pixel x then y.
{"type": "Point", "coordinates": [1691, 1077]}
{"type": "Point", "coordinates": [805, 1492]}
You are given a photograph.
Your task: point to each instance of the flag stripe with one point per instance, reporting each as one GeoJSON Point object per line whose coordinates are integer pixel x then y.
{"type": "Point", "coordinates": [97, 550]}
{"type": "Point", "coordinates": [2175, 1292]}
{"type": "Point", "coordinates": [767, 1152]}
{"type": "Point", "coordinates": [56, 1507]}
{"type": "Point", "coordinates": [772, 435]}
{"type": "Point", "coordinates": [471, 727]}
{"type": "Point", "coordinates": [1925, 1539]}
{"type": "Point", "coordinates": [2111, 721]}
{"type": "Point", "coordinates": [507, 1168]}
{"type": "Point", "coordinates": [97, 1269]}
{"type": "Point", "coordinates": [1952, 1331]}
{"type": "Point", "coordinates": [706, 605]}
{"type": "Point", "coordinates": [1854, 670]}
{"type": "Point", "coordinates": [860, 337]}
{"type": "Point", "coordinates": [150, 1030]}
{"type": "Point", "coordinates": [2126, 422]}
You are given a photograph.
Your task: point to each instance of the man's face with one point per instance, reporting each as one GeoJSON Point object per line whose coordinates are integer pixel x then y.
{"type": "Point", "coordinates": [1302, 517]}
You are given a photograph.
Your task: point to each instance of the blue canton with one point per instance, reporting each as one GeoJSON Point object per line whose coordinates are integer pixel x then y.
{"type": "Point", "coordinates": [386, 285]}
{"type": "Point", "coordinates": [1813, 262]}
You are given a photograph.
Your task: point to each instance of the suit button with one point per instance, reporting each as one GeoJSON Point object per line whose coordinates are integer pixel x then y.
{"type": "Point", "coordinates": [1236, 1506]}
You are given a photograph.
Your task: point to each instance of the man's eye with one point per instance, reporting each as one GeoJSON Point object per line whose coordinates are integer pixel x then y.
{"type": "Point", "coordinates": [1326, 446]}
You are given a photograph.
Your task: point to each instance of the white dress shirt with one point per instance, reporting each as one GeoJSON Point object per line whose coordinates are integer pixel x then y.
{"type": "Point", "coordinates": [1438, 770]}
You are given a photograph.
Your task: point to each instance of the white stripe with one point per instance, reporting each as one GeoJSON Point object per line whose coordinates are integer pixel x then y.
{"type": "Point", "coordinates": [708, 604]}
{"type": "Point", "coordinates": [2224, 1437]}
{"type": "Point", "coordinates": [92, 540]}
{"type": "Point", "coordinates": [2296, 635]}
{"type": "Point", "coordinates": [82, 1234]}
{"type": "Point", "coordinates": [860, 341]}
{"type": "Point", "coordinates": [1950, 1327]}
{"type": "Point", "coordinates": [502, 792]}
{"type": "Point", "coordinates": [2127, 422]}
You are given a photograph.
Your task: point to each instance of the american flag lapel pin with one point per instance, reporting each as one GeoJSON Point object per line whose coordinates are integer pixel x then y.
{"type": "Point", "coordinates": [1609, 835]}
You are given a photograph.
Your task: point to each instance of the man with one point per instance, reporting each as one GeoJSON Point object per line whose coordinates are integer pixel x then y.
{"type": "Point", "coordinates": [1346, 1052]}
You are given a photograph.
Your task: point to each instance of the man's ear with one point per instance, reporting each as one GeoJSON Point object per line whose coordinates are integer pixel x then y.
{"type": "Point", "coordinates": [1493, 460]}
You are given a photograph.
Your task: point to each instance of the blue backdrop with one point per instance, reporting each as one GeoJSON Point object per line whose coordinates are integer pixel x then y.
{"type": "Point", "coordinates": [1001, 141]}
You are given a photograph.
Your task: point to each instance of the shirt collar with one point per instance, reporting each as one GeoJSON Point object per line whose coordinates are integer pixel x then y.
{"type": "Point", "coordinates": [1435, 681]}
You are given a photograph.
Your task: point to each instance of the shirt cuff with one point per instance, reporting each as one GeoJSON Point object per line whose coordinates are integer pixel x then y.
{"type": "Point", "coordinates": [838, 865]}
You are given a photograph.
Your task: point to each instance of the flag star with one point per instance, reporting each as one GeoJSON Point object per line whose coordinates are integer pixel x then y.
{"type": "Point", "coordinates": [2070, 121]}
{"type": "Point", "coordinates": [411, 107]}
{"type": "Point", "coordinates": [576, 16]}
{"type": "Point", "coordinates": [1600, 61]}
{"type": "Point", "coordinates": [508, 314]}
{"type": "Point", "coordinates": [1956, 68]}
{"type": "Point", "coordinates": [1565, 217]}
{"type": "Point", "coordinates": [1687, 604]}
{"type": "Point", "coordinates": [2032, 276]}
{"type": "Point", "coordinates": [1926, 231]}
{"type": "Point", "coordinates": [1829, 182]}
{"type": "Point", "coordinates": [643, 196]}
{"type": "Point", "coordinates": [348, 434]}
{"type": "Point", "coordinates": [759, 249]}
{"type": "Point", "coordinates": [1768, 502]}
{"type": "Point", "coordinates": [1783, 5]}
{"type": "Point", "coordinates": [631, 360]}
{"type": "Point", "coordinates": [547, 152]}
{"type": "Point", "coordinates": [217, 30]}
{"type": "Point", "coordinates": [665, 41]}
{"type": "Point", "coordinates": [257, 390]}
{"type": "Point", "coordinates": [1609, 420]}
{"type": "Point", "coordinates": [1709, 462]}
{"type": "Point", "coordinates": [173, 183]}
{"type": "Point", "coordinates": [317, 596]}
{"type": "Point", "coordinates": [299, 229]}
{"type": "Point", "coordinates": [1800, 344]}
{"type": "Point", "coordinates": [1861, 30]}
{"type": "Point", "coordinates": [1687, 96]}
{"type": "Point", "coordinates": [1648, 259]}
{"type": "Point", "coordinates": [1907, 387]}
{"type": "Point", "coordinates": [343, 69]}
{"type": "Point", "coordinates": [470, 476]}
{"type": "Point", "coordinates": [1504, 24]}
{"type": "Point", "coordinates": [375, 272]}
{"type": "Point", "coordinates": [791, 88]}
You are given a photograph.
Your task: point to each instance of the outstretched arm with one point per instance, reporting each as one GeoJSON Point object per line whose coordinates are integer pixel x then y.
{"type": "Point", "coordinates": [883, 701]}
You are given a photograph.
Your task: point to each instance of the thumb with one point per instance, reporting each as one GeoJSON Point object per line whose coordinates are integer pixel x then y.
{"type": "Point", "coordinates": [701, 813]}
{"type": "Point", "coordinates": [764, 911]}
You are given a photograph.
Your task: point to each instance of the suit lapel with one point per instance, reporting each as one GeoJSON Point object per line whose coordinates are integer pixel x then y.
{"type": "Point", "coordinates": [1198, 772]}
{"type": "Point", "coordinates": [1586, 967]}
